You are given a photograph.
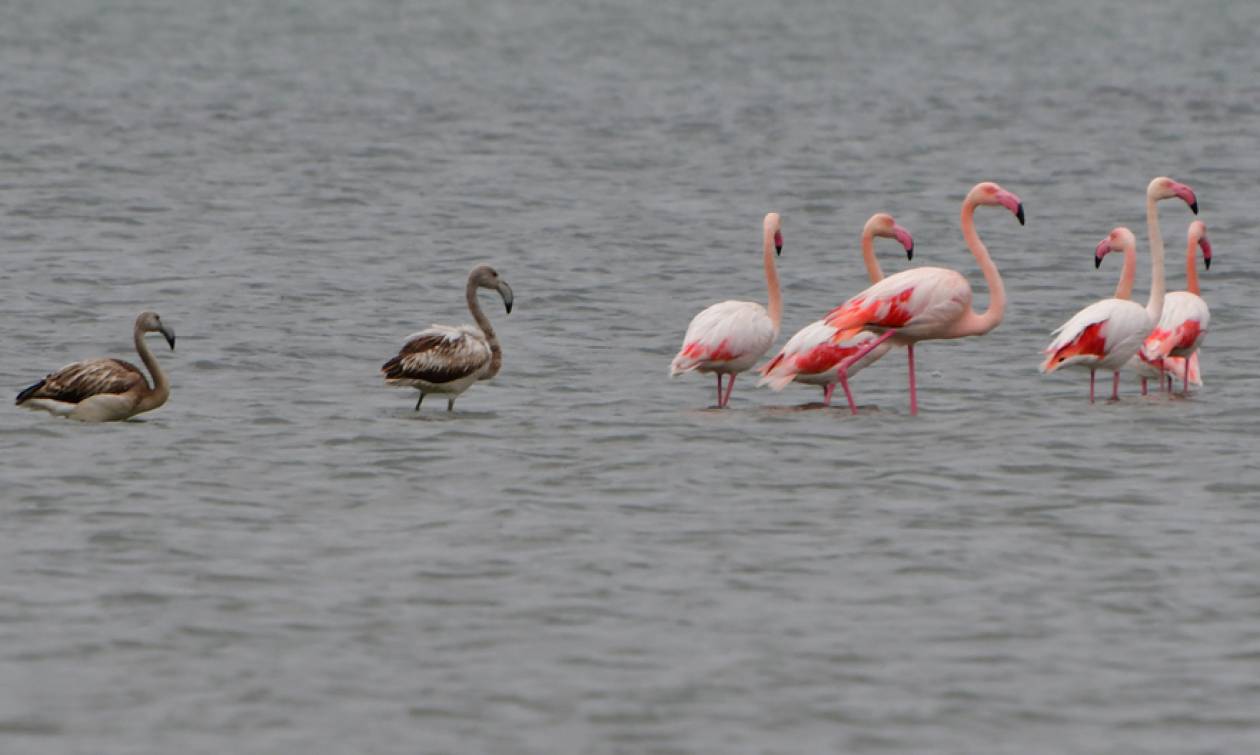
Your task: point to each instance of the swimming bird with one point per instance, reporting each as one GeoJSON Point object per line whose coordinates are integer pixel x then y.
{"type": "Point", "coordinates": [927, 303]}
{"type": "Point", "coordinates": [730, 336]}
{"type": "Point", "coordinates": [1183, 323]}
{"type": "Point", "coordinates": [810, 356]}
{"type": "Point", "coordinates": [446, 359]}
{"type": "Point", "coordinates": [1108, 333]}
{"type": "Point", "coordinates": [105, 389]}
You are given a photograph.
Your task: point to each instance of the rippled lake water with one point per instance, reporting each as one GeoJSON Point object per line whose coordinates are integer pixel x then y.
{"type": "Point", "coordinates": [585, 557]}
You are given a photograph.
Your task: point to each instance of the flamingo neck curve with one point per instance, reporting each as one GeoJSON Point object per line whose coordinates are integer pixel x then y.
{"type": "Point", "coordinates": [973, 323]}
{"type": "Point", "coordinates": [483, 322]}
{"type": "Point", "coordinates": [775, 305]}
{"type": "Point", "coordinates": [1155, 304]}
{"type": "Point", "coordinates": [161, 390]}
{"type": "Point", "coordinates": [1124, 289]}
{"type": "Point", "coordinates": [1192, 273]}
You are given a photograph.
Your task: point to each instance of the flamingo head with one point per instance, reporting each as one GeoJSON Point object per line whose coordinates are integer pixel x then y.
{"type": "Point", "coordinates": [485, 276]}
{"type": "Point", "coordinates": [151, 322]}
{"type": "Point", "coordinates": [991, 194]}
{"type": "Point", "coordinates": [1120, 239]}
{"type": "Point", "coordinates": [1198, 235]}
{"type": "Point", "coordinates": [882, 224]}
{"type": "Point", "coordinates": [773, 225]}
{"type": "Point", "coordinates": [1166, 188]}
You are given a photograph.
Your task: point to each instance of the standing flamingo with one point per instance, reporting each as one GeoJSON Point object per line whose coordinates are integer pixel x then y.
{"type": "Point", "coordinates": [1082, 340]}
{"type": "Point", "coordinates": [811, 356]}
{"type": "Point", "coordinates": [730, 336]}
{"type": "Point", "coordinates": [1183, 324]}
{"type": "Point", "coordinates": [927, 303]}
{"type": "Point", "coordinates": [1106, 334]}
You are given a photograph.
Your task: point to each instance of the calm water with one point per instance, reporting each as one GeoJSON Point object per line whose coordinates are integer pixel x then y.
{"type": "Point", "coordinates": [585, 558]}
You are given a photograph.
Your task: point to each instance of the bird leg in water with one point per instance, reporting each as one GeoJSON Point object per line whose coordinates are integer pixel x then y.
{"type": "Point", "coordinates": [842, 374]}
{"type": "Point", "coordinates": [914, 397]}
{"type": "Point", "coordinates": [1143, 386]}
{"type": "Point", "coordinates": [719, 396]}
{"type": "Point", "coordinates": [450, 404]}
{"type": "Point", "coordinates": [1091, 386]}
{"type": "Point", "coordinates": [827, 391]}
{"type": "Point", "coordinates": [1115, 386]}
{"type": "Point", "coordinates": [419, 400]}
{"type": "Point", "coordinates": [729, 387]}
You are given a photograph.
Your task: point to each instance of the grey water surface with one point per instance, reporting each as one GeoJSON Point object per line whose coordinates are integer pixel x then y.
{"type": "Point", "coordinates": [585, 556]}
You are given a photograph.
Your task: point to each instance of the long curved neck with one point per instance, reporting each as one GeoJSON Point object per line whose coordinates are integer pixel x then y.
{"type": "Point", "coordinates": [873, 270]}
{"type": "Point", "coordinates": [772, 279]}
{"type": "Point", "coordinates": [1192, 273]}
{"type": "Point", "coordinates": [161, 390]}
{"type": "Point", "coordinates": [977, 324]}
{"type": "Point", "coordinates": [1155, 304]}
{"type": "Point", "coordinates": [1124, 289]}
{"type": "Point", "coordinates": [483, 322]}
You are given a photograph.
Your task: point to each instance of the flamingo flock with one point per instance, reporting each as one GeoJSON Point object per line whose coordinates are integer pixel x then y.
{"type": "Point", "coordinates": [1158, 340]}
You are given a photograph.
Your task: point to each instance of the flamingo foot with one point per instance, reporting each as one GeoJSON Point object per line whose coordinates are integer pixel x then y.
{"type": "Point", "coordinates": [848, 394]}
{"type": "Point", "coordinates": [729, 387]}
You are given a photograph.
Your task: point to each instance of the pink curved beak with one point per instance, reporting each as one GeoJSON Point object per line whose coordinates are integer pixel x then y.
{"type": "Point", "coordinates": [1012, 203]}
{"type": "Point", "coordinates": [1206, 246]}
{"type": "Point", "coordinates": [1187, 195]}
{"type": "Point", "coordinates": [1104, 247]}
{"type": "Point", "coordinates": [902, 235]}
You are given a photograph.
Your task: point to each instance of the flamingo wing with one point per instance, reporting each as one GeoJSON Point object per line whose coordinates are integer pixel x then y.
{"type": "Point", "coordinates": [1106, 333]}
{"type": "Point", "coordinates": [1182, 326]}
{"type": "Point", "coordinates": [439, 354]}
{"type": "Point", "coordinates": [82, 380]}
{"type": "Point", "coordinates": [814, 350]}
{"type": "Point", "coordinates": [916, 302]}
{"type": "Point", "coordinates": [725, 333]}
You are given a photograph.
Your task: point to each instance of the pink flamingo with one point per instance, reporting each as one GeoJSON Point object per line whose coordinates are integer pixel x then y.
{"type": "Point", "coordinates": [926, 303]}
{"type": "Point", "coordinates": [1108, 333]}
{"type": "Point", "coordinates": [729, 337]}
{"type": "Point", "coordinates": [1183, 324]}
{"type": "Point", "coordinates": [811, 356]}
{"type": "Point", "coordinates": [1101, 335]}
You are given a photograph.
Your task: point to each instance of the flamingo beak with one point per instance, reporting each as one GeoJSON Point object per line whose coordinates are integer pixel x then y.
{"type": "Point", "coordinates": [1186, 194]}
{"type": "Point", "coordinates": [1104, 246]}
{"type": "Point", "coordinates": [902, 235]}
{"type": "Point", "coordinates": [169, 334]}
{"type": "Point", "coordinates": [1207, 252]}
{"type": "Point", "coordinates": [1012, 203]}
{"type": "Point", "coordinates": [778, 243]}
{"type": "Point", "coordinates": [506, 292]}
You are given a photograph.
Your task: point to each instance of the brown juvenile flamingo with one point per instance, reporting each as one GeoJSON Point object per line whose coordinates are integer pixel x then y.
{"type": "Point", "coordinates": [729, 337]}
{"type": "Point", "coordinates": [811, 356]}
{"type": "Point", "coordinates": [104, 389]}
{"type": "Point", "coordinates": [448, 360]}
{"type": "Point", "coordinates": [927, 303]}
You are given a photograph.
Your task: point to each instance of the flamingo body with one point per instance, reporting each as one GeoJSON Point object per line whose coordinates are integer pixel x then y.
{"type": "Point", "coordinates": [1103, 336]}
{"type": "Point", "coordinates": [727, 338]}
{"type": "Point", "coordinates": [921, 303]}
{"type": "Point", "coordinates": [812, 356]}
{"type": "Point", "coordinates": [1183, 324]}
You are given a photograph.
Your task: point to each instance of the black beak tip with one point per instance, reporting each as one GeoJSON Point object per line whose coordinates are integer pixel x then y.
{"type": "Point", "coordinates": [1207, 263]}
{"type": "Point", "coordinates": [910, 252]}
{"type": "Point", "coordinates": [778, 249]}
{"type": "Point", "coordinates": [1194, 207]}
{"type": "Point", "coordinates": [1097, 262]}
{"type": "Point", "coordinates": [508, 305]}
{"type": "Point", "coordinates": [171, 341]}
{"type": "Point", "coordinates": [1019, 214]}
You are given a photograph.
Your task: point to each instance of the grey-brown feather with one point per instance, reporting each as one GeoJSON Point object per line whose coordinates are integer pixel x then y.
{"type": "Point", "coordinates": [92, 377]}
{"type": "Point", "coordinates": [436, 358]}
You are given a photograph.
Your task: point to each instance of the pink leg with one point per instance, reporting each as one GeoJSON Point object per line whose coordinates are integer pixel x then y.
{"type": "Point", "coordinates": [1185, 379]}
{"type": "Point", "coordinates": [719, 377]}
{"type": "Point", "coordinates": [844, 383]}
{"type": "Point", "coordinates": [1091, 386]}
{"type": "Point", "coordinates": [1115, 386]}
{"type": "Point", "coordinates": [914, 399]}
{"type": "Point", "coordinates": [827, 390]}
{"type": "Point", "coordinates": [842, 374]}
{"type": "Point", "coordinates": [729, 387]}
{"type": "Point", "coordinates": [1143, 386]}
